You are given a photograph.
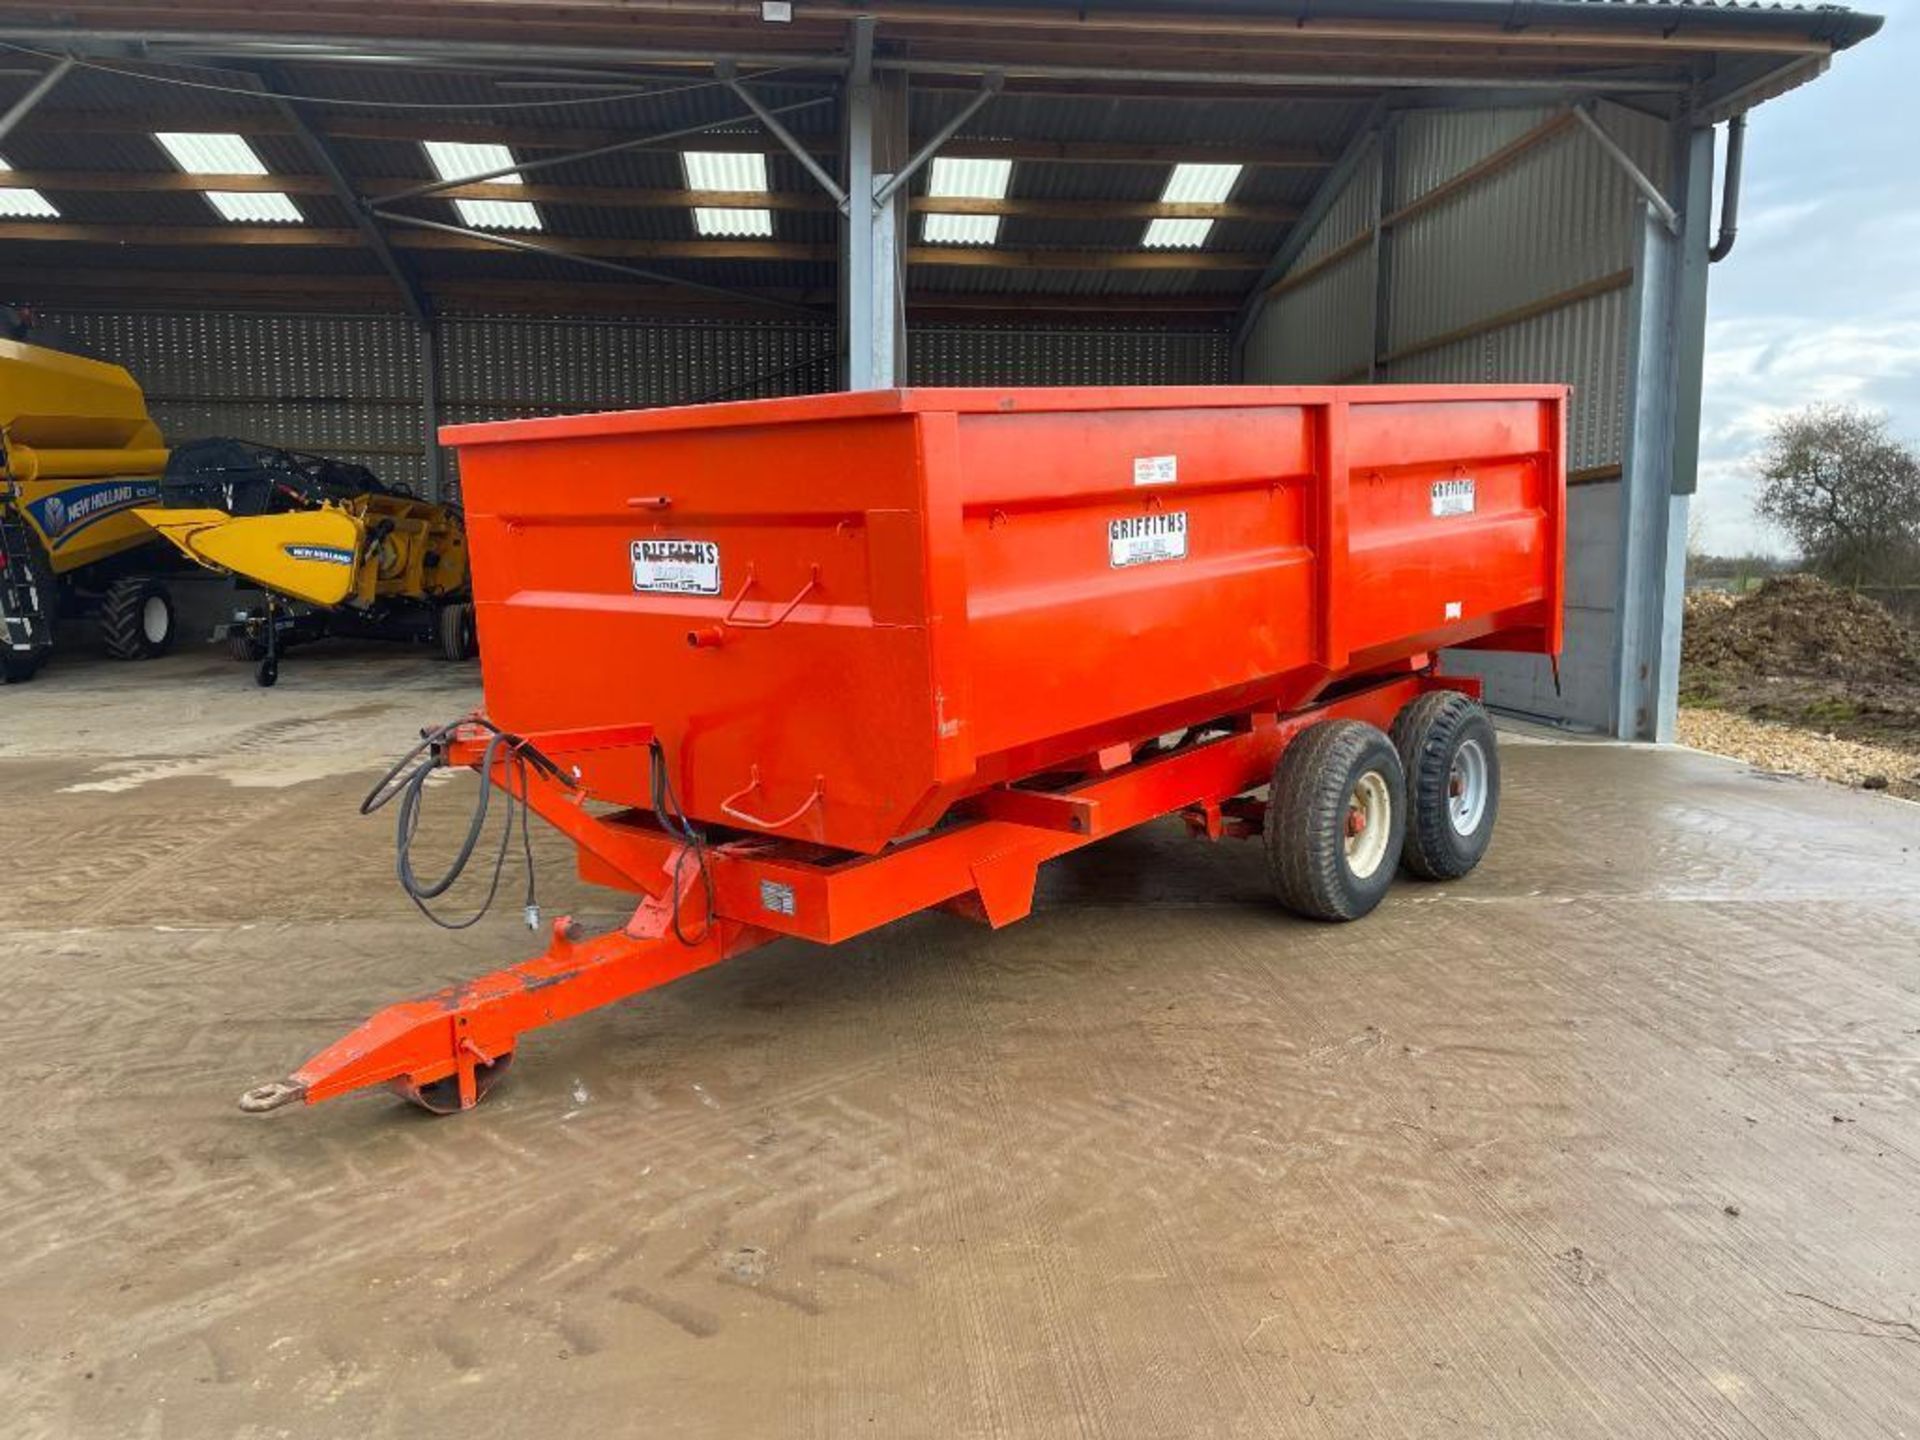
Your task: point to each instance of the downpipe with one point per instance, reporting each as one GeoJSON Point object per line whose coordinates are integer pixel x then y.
{"type": "Point", "coordinates": [1730, 190]}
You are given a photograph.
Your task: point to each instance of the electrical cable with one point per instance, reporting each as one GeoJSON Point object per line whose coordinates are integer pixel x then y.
{"type": "Point", "coordinates": [408, 786]}
{"type": "Point", "coordinates": [673, 819]}
{"type": "Point", "coordinates": [406, 779]}
{"type": "Point", "coordinates": [337, 100]}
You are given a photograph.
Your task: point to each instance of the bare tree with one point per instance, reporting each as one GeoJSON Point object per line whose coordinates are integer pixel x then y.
{"type": "Point", "coordinates": [1846, 492]}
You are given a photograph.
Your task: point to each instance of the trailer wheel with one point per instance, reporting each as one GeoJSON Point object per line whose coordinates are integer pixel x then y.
{"type": "Point", "coordinates": [1447, 748]}
{"type": "Point", "coordinates": [458, 639]}
{"type": "Point", "coordinates": [136, 619]}
{"type": "Point", "coordinates": [1336, 820]}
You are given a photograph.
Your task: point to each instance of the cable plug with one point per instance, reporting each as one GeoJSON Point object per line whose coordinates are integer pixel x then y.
{"type": "Point", "coordinates": [533, 917]}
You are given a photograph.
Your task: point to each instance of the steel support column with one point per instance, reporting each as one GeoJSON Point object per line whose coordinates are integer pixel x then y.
{"type": "Point", "coordinates": [873, 310]}
{"type": "Point", "coordinates": [1693, 169]}
{"type": "Point", "coordinates": [1384, 201]}
{"type": "Point", "coordinates": [1666, 346]}
{"type": "Point", "coordinates": [429, 336]}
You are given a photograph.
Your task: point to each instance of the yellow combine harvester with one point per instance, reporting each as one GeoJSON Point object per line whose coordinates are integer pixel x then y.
{"type": "Point", "coordinates": [334, 551]}
{"type": "Point", "coordinates": [78, 455]}
{"type": "Point", "coordinates": [88, 487]}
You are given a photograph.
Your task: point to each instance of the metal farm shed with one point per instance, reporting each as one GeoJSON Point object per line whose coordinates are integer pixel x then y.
{"type": "Point", "coordinates": [484, 208]}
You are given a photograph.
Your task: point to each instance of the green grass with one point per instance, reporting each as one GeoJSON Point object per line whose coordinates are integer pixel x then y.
{"type": "Point", "coordinates": [1830, 710]}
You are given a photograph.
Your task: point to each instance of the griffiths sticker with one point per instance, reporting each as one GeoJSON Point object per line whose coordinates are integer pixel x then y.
{"type": "Point", "coordinates": [1147, 539]}
{"type": "Point", "coordinates": [676, 567]}
{"type": "Point", "coordinates": [1453, 497]}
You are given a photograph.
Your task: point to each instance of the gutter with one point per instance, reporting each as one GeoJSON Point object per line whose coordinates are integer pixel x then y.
{"type": "Point", "coordinates": [1828, 24]}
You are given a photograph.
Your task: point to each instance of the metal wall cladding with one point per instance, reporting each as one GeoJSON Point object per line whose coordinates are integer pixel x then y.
{"type": "Point", "coordinates": [1350, 213]}
{"type": "Point", "coordinates": [1323, 330]}
{"type": "Point", "coordinates": [227, 354]}
{"type": "Point", "coordinates": [341, 385]}
{"type": "Point", "coordinates": [1319, 333]}
{"type": "Point", "coordinates": [504, 365]}
{"type": "Point", "coordinates": [1432, 146]}
{"type": "Point", "coordinates": [1560, 216]}
{"type": "Point", "coordinates": [1583, 344]}
{"type": "Point", "coordinates": [1021, 355]}
{"type": "Point", "coordinates": [349, 385]}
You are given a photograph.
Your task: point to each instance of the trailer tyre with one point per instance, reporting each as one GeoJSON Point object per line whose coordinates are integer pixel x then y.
{"type": "Point", "coordinates": [458, 639]}
{"type": "Point", "coordinates": [1447, 748]}
{"type": "Point", "coordinates": [136, 619]}
{"type": "Point", "coordinates": [1336, 820]}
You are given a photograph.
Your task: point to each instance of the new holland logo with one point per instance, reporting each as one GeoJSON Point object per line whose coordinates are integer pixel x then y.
{"type": "Point", "coordinates": [65, 514]}
{"type": "Point", "coordinates": [323, 554]}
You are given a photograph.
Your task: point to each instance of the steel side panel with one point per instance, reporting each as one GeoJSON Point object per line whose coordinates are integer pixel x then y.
{"type": "Point", "coordinates": [1062, 639]}
{"type": "Point", "coordinates": [835, 695]}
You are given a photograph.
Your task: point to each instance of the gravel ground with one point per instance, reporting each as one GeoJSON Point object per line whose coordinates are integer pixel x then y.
{"type": "Point", "coordinates": [1796, 751]}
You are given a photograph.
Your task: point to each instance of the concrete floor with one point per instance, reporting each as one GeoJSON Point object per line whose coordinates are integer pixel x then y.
{"type": "Point", "coordinates": [1617, 1138]}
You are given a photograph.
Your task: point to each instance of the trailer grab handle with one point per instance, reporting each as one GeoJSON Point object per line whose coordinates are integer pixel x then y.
{"type": "Point", "coordinates": [728, 807]}
{"type": "Point", "coordinates": [712, 635]}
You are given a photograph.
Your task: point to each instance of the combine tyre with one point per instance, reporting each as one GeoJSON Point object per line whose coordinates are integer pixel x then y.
{"type": "Point", "coordinates": [136, 618]}
{"type": "Point", "coordinates": [455, 631]}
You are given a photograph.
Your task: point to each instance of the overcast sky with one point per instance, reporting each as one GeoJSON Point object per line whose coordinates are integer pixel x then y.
{"type": "Point", "coordinates": [1820, 299]}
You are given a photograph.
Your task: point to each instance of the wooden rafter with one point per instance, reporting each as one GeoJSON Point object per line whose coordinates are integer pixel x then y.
{"type": "Point", "coordinates": [533, 137]}
{"type": "Point", "coordinates": [133, 287]}
{"type": "Point", "coordinates": [54, 182]}
{"type": "Point", "coordinates": [312, 237]}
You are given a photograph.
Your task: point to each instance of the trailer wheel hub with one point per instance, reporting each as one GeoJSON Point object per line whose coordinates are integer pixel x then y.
{"type": "Point", "coordinates": [1467, 788]}
{"type": "Point", "coordinates": [1369, 823]}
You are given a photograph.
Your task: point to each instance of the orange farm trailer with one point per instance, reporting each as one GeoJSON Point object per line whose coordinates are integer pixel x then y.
{"type": "Point", "coordinates": [803, 667]}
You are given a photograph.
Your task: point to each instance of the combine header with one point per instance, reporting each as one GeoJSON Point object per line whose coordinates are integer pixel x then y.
{"type": "Point", "coordinates": [803, 667]}
{"type": "Point", "coordinates": [334, 551]}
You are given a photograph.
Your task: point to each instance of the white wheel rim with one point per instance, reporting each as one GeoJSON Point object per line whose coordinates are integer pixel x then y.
{"type": "Point", "coordinates": [153, 619]}
{"type": "Point", "coordinates": [1467, 788]}
{"type": "Point", "coordinates": [1369, 822]}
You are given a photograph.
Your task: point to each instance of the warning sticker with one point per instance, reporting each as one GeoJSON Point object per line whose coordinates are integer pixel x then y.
{"type": "Point", "coordinates": [676, 567]}
{"type": "Point", "coordinates": [1146, 539]}
{"type": "Point", "coordinates": [1156, 469]}
{"type": "Point", "coordinates": [776, 897]}
{"type": "Point", "coordinates": [1453, 497]}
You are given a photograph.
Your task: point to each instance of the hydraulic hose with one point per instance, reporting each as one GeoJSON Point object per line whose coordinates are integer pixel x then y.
{"type": "Point", "coordinates": [406, 782]}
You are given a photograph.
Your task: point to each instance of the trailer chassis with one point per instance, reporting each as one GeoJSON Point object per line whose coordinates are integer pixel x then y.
{"type": "Point", "coordinates": [445, 1051]}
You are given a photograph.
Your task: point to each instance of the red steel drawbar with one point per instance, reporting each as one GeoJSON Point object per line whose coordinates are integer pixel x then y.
{"type": "Point", "coordinates": [893, 650]}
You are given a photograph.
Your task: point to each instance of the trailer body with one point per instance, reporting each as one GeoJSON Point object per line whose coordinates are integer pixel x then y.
{"type": "Point", "coordinates": [804, 667]}
{"type": "Point", "coordinates": [843, 614]}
